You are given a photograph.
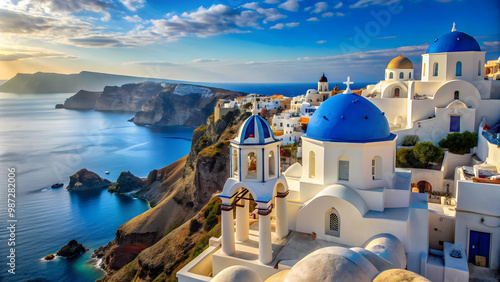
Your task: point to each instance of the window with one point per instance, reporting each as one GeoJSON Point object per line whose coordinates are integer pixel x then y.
{"type": "Point", "coordinates": [409, 76]}
{"type": "Point", "coordinates": [343, 168]}
{"type": "Point", "coordinates": [332, 222]}
{"type": "Point", "coordinates": [454, 123]}
{"type": "Point", "coordinates": [401, 75]}
{"type": "Point", "coordinates": [377, 168]}
{"type": "Point", "coordinates": [252, 165]}
{"type": "Point", "coordinates": [456, 95]}
{"type": "Point", "coordinates": [312, 165]}
{"type": "Point", "coordinates": [235, 162]}
{"type": "Point", "coordinates": [479, 68]}
{"type": "Point", "coordinates": [458, 71]}
{"type": "Point", "coordinates": [396, 92]}
{"type": "Point", "coordinates": [436, 69]}
{"type": "Point", "coordinates": [391, 75]}
{"type": "Point", "coordinates": [272, 164]}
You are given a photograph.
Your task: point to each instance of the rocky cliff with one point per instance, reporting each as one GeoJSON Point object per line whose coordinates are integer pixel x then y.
{"type": "Point", "coordinates": [128, 97]}
{"type": "Point", "coordinates": [181, 104]}
{"type": "Point", "coordinates": [85, 180]}
{"type": "Point", "coordinates": [83, 100]}
{"type": "Point", "coordinates": [180, 191]}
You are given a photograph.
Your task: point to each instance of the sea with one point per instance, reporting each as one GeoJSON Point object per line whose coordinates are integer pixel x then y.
{"type": "Point", "coordinates": [41, 145]}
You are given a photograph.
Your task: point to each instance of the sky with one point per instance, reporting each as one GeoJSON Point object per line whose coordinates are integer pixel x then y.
{"type": "Point", "coordinates": [265, 41]}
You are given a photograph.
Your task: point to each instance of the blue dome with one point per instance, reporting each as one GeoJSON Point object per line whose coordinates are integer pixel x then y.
{"type": "Point", "coordinates": [255, 130]}
{"type": "Point", "coordinates": [348, 118]}
{"type": "Point", "coordinates": [454, 41]}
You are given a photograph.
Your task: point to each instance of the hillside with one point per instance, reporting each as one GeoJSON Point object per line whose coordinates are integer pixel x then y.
{"type": "Point", "coordinates": [178, 192]}
{"type": "Point", "coordinates": [42, 82]}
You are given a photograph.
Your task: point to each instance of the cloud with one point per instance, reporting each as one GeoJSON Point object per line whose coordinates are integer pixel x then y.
{"type": "Point", "coordinates": [327, 15]}
{"type": "Point", "coordinates": [338, 5]}
{"type": "Point", "coordinates": [306, 9]}
{"type": "Point", "coordinates": [51, 7]}
{"type": "Point", "coordinates": [108, 40]}
{"type": "Point", "coordinates": [294, 24]}
{"type": "Point", "coordinates": [366, 3]}
{"type": "Point", "coordinates": [195, 61]}
{"type": "Point", "coordinates": [133, 5]}
{"type": "Point", "coordinates": [290, 5]}
{"type": "Point", "coordinates": [134, 19]}
{"type": "Point", "coordinates": [313, 19]}
{"type": "Point", "coordinates": [18, 53]}
{"type": "Point", "coordinates": [270, 14]}
{"type": "Point", "coordinates": [277, 26]}
{"type": "Point", "coordinates": [321, 41]}
{"type": "Point", "coordinates": [491, 46]}
{"type": "Point", "coordinates": [319, 7]}
{"type": "Point", "coordinates": [272, 1]}
{"type": "Point", "coordinates": [216, 20]}
{"type": "Point", "coordinates": [339, 14]}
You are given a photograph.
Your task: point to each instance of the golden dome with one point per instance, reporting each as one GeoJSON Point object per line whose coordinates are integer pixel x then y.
{"type": "Point", "coordinates": [400, 62]}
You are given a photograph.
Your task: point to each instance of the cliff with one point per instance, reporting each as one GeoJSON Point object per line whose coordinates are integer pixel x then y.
{"type": "Point", "coordinates": [180, 190]}
{"type": "Point", "coordinates": [128, 97]}
{"type": "Point", "coordinates": [169, 106]}
{"type": "Point", "coordinates": [83, 100]}
{"type": "Point", "coordinates": [42, 82]}
{"type": "Point", "coordinates": [85, 180]}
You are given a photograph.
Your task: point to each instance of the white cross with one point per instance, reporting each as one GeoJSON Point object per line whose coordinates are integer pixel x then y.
{"type": "Point", "coordinates": [348, 81]}
{"type": "Point", "coordinates": [453, 29]}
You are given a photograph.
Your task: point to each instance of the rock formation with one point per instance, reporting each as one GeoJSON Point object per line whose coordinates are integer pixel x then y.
{"type": "Point", "coordinates": [83, 100]}
{"type": "Point", "coordinates": [71, 249]}
{"type": "Point", "coordinates": [85, 180]}
{"type": "Point", "coordinates": [128, 97]}
{"type": "Point", "coordinates": [126, 182]}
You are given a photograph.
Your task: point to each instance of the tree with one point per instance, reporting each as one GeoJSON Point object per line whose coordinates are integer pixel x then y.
{"type": "Point", "coordinates": [406, 158]}
{"type": "Point", "coordinates": [427, 153]}
{"type": "Point", "coordinates": [459, 143]}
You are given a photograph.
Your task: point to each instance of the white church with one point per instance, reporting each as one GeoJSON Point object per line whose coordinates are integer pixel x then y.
{"type": "Point", "coordinates": [347, 213]}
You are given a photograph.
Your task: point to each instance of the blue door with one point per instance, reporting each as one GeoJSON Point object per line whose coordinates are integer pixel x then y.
{"type": "Point", "coordinates": [454, 123]}
{"type": "Point", "coordinates": [479, 245]}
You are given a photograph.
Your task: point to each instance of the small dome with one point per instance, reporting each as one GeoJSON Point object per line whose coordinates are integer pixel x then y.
{"type": "Point", "coordinates": [323, 78]}
{"type": "Point", "coordinates": [397, 275]}
{"type": "Point", "coordinates": [400, 62]}
{"type": "Point", "coordinates": [237, 273]}
{"type": "Point", "coordinates": [326, 264]}
{"type": "Point", "coordinates": [388, 247]}
{"type": "Point", "coordinates": [454, 41]}
{"type": "Point", "coordinates": [255, 130]}
{"type": "Point", "coordinates": [348, 118]}
{"type": "Point", "coordinates": [312, 91]}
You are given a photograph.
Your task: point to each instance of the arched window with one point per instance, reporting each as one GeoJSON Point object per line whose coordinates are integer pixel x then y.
{"type": "Point", "coordinates": [343, 168]}
{"type": "Point", "coordinates": [391, 75]}
{"type": "Point", "coordinates": [396, 92]}
{"type": "Point", "coordinates": [252, 165]}
{"type": "Point", "coordinates": [436, 69]}
{"type": "Point", "coordinates": [479, 68]}
{"type": "Point", "coordinates": [458, 71]}
{"type": "Point", "coordinates": [312, 164]}
{"type": "Point", "coordinates": [332, 222]}
{"type": "Point", "coordinates": [456, 95]}
{"type": "Point", "coordinates": [409, 76]}
{"type": "Point", "coordinates": [235, 162]}
{"type": "Point", "coordinates": [401, 75]}
{"type": "Point", "coordinates": [272, 164]}
{"type": "Point", "coordinates": [377, 168]}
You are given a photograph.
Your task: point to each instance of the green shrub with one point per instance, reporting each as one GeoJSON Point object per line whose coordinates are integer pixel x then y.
{"type": "Point", "coordinates": [194, 225]}
{"type": "Point", "coordinates": [427, 152]}
{"type": "Point", "coordinates": [406, 158]}
{"type": "Point", "coordinates": [410, 140]}
{"type": "Point", "coordinates": [210, 222]}
{"type": "Point", "coordinates": [459, 143]}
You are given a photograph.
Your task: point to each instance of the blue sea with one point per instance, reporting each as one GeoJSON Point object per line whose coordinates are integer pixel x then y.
{"type": "Point", "coordinates": [46, 145]}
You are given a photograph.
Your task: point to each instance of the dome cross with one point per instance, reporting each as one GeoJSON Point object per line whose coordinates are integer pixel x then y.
{"type": "Point", "coordinates": [348, 82]}
{"type": "Point", "coordinates": [453, 29]}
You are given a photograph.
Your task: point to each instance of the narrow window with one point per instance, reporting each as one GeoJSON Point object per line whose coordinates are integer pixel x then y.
{"type": "Point", "coordinates": [436, 69]}
{"type": "Point", "coordinates": [332, 222]}
{"type": "Point", "coordinates": [377, 168]}
{"type": "Point", "coordinates": [396, 92]}
{"type": "Point", "coordinates": [272, 164]}
{"type": "Point", "coordinates": [401, 75]}
{"type": "Point", "coordinates": [424, 70]}
{"type": "Point", "coordinates": [409, 76]}
{"type": "Point", "coordinates": [391, 75]}
{"type": "Point", "coordinates": [458, 71]}
{"type": "Point", "coordinates": [252, 165]}
{"type": "Point", "coordinates": [479, 68]}
{"type": "Point", "coordinates": [235, 162]}
{"type": "Point", "coordinates": [343, 168]}
{"type": "Point", "coordinates": [456, 95]}
{"type": "Point", "coordinates": [454, 123]}
{"type": "Point", "coordinates": [312, 165]}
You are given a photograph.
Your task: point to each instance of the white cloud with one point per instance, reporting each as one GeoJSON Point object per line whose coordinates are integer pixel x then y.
{"type": "Point", "coordinates": [272, 1]}
{"type": "Point", "coordinates": [313, 19]}
{"type": "Point", "coordinates": [277, 26]}
{"type": "Point", "coordinates": [339, 14]}
{"type": "Point", "coordinates": [133, 5]}
{"type": "Point", "coordinates": [58, 7]}
{"type": "Point", "coordinates": [321, 41]}
{"type": "Point", "coordinates": [319, 7]}
{"type": "Point", "coordinates": [270, 14]}
{"type": "Point", "coordinates": [306, 9]}
{"type": "Point", "coordinates": [9, 53]}
{"type": "Point", "coordinates": [203, 60]}
{"type": "Point", "coordinates": [294, 24]}
{"type": "Point", "coordinates": [290, 5]}
{"type": "Point", "coordinates": [491, 46]}
{"type": "Point", "coordinates": [338, 5]}
{"type": "Point", "coordinates": [134, 19]}
{"type": "Point", "coordinates": [327, 15]}
{"type": "Point", "coordinates": [366, 3]}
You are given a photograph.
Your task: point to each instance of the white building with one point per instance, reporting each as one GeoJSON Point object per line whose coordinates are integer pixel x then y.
{"type": "Point", "coordinates": [287, 128]}
{"type": "Point", "coordinates": [451, 96]}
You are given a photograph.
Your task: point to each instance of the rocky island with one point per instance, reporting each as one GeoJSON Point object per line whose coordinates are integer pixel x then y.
{"type": "Point", "coordinates": [85, 180]}
{"type": "Point", "coordinates": [73, 248]}
{"type": "Point", "coordinates": [126, 182]}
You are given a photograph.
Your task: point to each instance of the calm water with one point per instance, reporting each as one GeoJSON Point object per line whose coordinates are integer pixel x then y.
{"type": "Point", "coordinates": [46, 146]}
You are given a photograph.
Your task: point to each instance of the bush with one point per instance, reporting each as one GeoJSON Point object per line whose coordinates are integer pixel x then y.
{"type": "Point", "coordinates": [459, 143]}
{"type": "Point", "coordinates": [410, 140]}
{"type": "Point", "coordinates": [194, 225]}
{"type": "Point", "coordinates": [427, 152]}
{"type": "Point", "coordinates": [406, 158]}
{"type": "Point", "coordinates": [210, 222]}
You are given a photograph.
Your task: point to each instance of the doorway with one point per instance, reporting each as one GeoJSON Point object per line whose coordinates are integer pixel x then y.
{"type": "Point", "coordinates": [479, 248]}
